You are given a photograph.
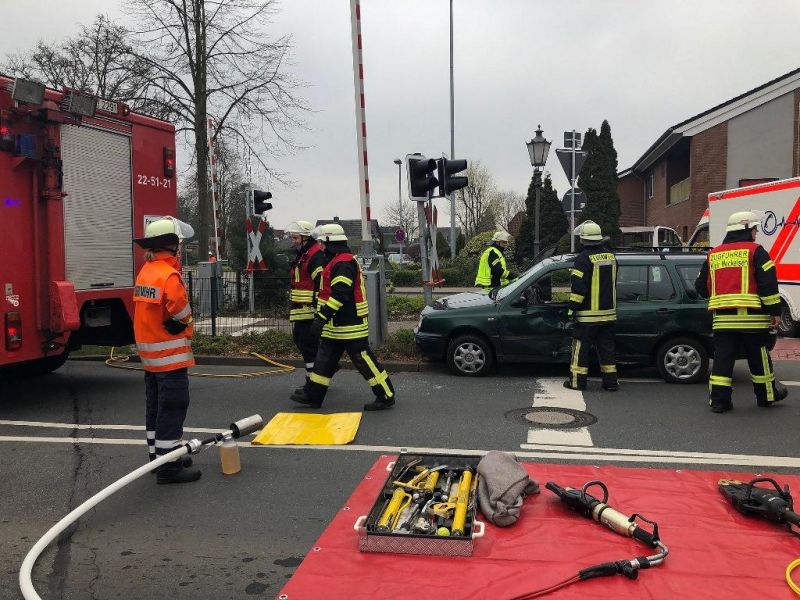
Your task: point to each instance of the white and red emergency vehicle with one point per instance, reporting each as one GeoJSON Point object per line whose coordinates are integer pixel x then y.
{"type": "Point", "coordinates": [778, 205]}
{"type": "Point", "coordinates": [79, 178]}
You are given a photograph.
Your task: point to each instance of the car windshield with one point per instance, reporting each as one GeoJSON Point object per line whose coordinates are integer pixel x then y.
{"type": "Point", "coordinates": [520, 281]}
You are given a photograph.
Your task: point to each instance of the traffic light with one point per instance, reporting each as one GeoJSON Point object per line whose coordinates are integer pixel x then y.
{"type": "Point", "coordinates": [260, 202]}
{"type": "Point", "coordinates": [421, 181]}
{"type": "Point", "coordinates": [448, 181]}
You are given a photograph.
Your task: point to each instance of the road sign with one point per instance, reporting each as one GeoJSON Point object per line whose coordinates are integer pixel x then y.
{"type": "Point", "coordinates": [565, 158]}
{"type": "Point", "coordinates": [254, 259]}
{"type": "Point", "coordinates": [580, 201]}
{"type": "Point", "coordinates": [399, 235]}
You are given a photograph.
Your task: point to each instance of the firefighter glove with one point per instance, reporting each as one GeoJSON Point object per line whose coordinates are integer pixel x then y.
{"type": "Point", "coordinates": [316, 327]}
{"type": "Point", "coordinates": [174, 327]}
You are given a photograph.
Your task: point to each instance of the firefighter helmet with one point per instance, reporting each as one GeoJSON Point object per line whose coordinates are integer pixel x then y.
{"type": "Point", "coordinates": [501, 236]}
{"type": "Point", "coordinates": [300, 228]}
{"type": "Point", "coordinates": [589, 232]}
{"type": "Point", "coordinates": [166, 231]}
{"type": "Point", "coordinates": [744, 219]}
{"type": "Point", "coordinates": [332, 232]}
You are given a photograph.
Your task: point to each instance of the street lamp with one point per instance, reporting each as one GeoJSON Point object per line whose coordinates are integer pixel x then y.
{"type": "Point", "coordinates": [538, 148]}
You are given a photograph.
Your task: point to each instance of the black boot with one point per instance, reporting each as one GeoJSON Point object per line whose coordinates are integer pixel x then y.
{"type": "Point", "coordinates": [568, 385]}
{"type": "Point", "coordinates": [721, 408]}
{"type": "Point", "coordinates": [175, 472]}
{"type": "Point", "coordinates": [780, 392]}
{"type": "Point", "coordinates": [380, 403]}
{"type": "Point", "coordinates": [300, 396]}
{"type": "Point", "coordinates": [186, 461]}
{"type": "Point", "coordinates": [611, 386]}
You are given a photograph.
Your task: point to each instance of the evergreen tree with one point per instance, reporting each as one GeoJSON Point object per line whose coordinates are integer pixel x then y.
{"type": "Point", "coordinates": [598, 180]}
{"type": "Point", "coordinates": [553, 221]}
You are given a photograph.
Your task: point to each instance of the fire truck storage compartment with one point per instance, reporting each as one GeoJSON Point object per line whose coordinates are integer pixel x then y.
{"type": "Point", "coordinates": [98, 225]}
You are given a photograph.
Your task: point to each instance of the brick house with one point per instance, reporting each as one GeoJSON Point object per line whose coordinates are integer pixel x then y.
{"type": "Point", "coordinates": [753, 136]}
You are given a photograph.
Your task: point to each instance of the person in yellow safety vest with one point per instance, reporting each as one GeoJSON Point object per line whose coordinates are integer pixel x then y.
{"type": "Point", "coordinates": [593, 306]}
{"type": "Point", "coordinates": [162, 328]}
{"type": "Point", "coordinates": [341, 321]}
{"type": "Point", "coordinates": [304, 276]}
{"type": "Point", "coordinates": [492, 269]}
{"type": "Point", "coordinates": [741, 284]}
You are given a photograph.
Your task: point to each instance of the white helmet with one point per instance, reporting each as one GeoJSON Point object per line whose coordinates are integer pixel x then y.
{"type": "Point", "coordinates": [589, 231]}
{"type": "Point", "coordinates": [745, 219]}
{"type": "Point", "coordinates": [501, 236]}
{"type": "Point", "coordinates": [166, 231]}
{"type": "Point", "coordinates": [300, 228]}
{"type": "Point", "coordinates": [332, 232]}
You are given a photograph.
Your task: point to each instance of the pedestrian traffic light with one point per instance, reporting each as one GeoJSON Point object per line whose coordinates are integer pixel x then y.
{"type": "Point", "coordinates": [448, 181]}
{"type": "Point", "coordinates": [260, 202]}
{"type": "Point", "coordinates": [421, 181]}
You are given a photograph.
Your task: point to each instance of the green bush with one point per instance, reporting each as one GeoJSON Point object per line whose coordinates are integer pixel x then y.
{"type": "Point", "coordinates": [477, 244]}
{"type": "Point", "coordinates": [455, 277]}
{"type": "Point", "coordinates": [273, 342]}
{"type": "Point", "coordinates": [406, 277]}
{"type": "Point", "coordinates": [399, 344]}
{"type": "Point", "coordinates": [404, 308]}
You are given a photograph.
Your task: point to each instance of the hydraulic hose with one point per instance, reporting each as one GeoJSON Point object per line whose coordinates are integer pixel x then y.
{"type": "Point", "coordinates": [117, 361]}
{"type": "Point", "coordinates": [237, 429]}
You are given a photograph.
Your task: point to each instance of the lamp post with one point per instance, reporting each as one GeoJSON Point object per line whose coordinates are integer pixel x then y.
{"type": "Point", "coordinates": [538, 148]}
{"type": "Point", "coordinates": [399, 164]}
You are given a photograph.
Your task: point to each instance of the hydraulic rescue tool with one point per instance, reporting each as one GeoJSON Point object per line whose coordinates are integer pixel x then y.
{"type": "Point", "coordinates": [238, 429]}
{"type": "Point", "coordinates": [583, 503]}
{"type": "Point", "coordinates": [775, 505]}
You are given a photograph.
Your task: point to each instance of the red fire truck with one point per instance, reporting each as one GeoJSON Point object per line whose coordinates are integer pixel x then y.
{"type": "Point", "coordinates": [80, 177]}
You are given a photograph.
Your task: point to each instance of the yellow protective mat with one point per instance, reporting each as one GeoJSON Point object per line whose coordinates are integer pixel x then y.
{"type": "Point", "coordinates": [310, 429]}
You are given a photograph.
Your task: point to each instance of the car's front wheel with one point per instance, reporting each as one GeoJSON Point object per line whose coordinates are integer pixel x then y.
{"type": "Point", "coordinates": [470, 356]}
{"type": "Point", "coordinates": [682, 360]}
{"type": "Point", "coordinates": [788, 327]}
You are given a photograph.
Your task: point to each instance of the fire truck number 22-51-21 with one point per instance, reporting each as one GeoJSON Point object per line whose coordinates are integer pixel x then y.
{"type": "Point", "coordinates": [154, 181]}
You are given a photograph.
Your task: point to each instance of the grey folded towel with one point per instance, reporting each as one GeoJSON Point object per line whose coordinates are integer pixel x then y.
{"type": "Point", "coordinates": [502, 486]}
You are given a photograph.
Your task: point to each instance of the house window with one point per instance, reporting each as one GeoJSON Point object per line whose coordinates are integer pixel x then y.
{"type": "Point", "coordinates": [650, 185]}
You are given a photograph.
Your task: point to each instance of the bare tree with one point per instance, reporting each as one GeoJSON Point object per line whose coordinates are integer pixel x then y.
{"type": "Point", "coordinates": [474, 203]}
{"type": "Point", "coordinates": [402, 214]}
{"type": "Point", "coordinates": [506, 205]}
{"type": "Point", "coordinates": [98, 61]}
{"type": "Point", "coordinates": [213, 63]}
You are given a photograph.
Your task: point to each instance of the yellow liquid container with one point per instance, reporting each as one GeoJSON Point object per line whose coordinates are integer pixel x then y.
{"type": "Point", "coordinates": [229, 457]}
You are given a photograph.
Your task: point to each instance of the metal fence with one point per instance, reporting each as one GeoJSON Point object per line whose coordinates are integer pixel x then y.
{"type": "Point", "coordinates": [237, 302]}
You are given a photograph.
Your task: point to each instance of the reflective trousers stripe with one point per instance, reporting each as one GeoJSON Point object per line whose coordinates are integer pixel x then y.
{"type": "Point", "coordinates": [380, 376]}
{"type": "Point", "coordinates": [719, 380]}
{"type": "Point", "coordinates": [608, 368]}
{"type": "Point", "coordinates": [767, 373]}
{"type": "Point", "coordinates": [326, 381]}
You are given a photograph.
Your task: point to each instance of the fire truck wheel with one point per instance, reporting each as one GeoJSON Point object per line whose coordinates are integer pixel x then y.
{"type": "Point", "coordinates": [43, 366]}
{"type": "Point", "coordinates": [788, 327]}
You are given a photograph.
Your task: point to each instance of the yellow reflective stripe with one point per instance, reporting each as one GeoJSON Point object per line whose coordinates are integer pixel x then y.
{"type": "Point", "coordinates": [380, 376]}
{"type": "Point", "coordinates": [594, 319]}
{"type": "Point", "coordinates": [316, 272]}
{"type": "Point", "coordinates": [734, 301]}
{"type": "Point", "coordinates": [767, 373]}
{"type": "Point", "coordinates": [326, 381]}
{"type": "Point", "coordinates": [608, 368]}
{"type": "Point", "coordinates": [576, 348]}
{"type": "Point", "coordinates": [342, 279]}
{"type": "Point", "coordinates": [614, 284]}
{"type": "Point", "coordinates": [770, 300]}
{"type": "Point", "coordinates": [762, 378]}
{"type": "Point", "coordinates": [598, 313]}
{"type": "Point", "coordinates": [496, 260]}
{"type": "Point", "coordinates": [333, 335]}
{"type": "Point", "coordinates": [768, 265]}
{"type": "Point", "coordinates": [719, 380]}
{"type": "Point", "coordinates": [301, 314]}
{"type": "Point", "coordinates": [301, 294]}
{"type": "Point", "coordinates": [580, 370]}
{"type": "Point", "coordinates": [334, 304]}
{"type": "Point", "coordinates": [745, 278]}
{"type": "Point", "coordinates": [576, 272]}
{"type": "Point", "coordinates": [576, 298]}
{"type": "Point", "coordinates": [595, 302]}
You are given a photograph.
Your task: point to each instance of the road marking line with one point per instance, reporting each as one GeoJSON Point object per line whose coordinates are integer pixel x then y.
{"type": "Point", "coordinates": [590, 455]}
{"type": "Point", "coordinates": [555, 394]}
{"type": "Point", "coordinates": [674, 453]}
{"type": "Point", "coordinates": [96, 426]}
{"type": "Point", "coordinates": [790, 382]}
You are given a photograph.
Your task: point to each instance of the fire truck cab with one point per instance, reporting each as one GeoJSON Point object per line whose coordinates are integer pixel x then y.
{"type": "Point", "coordinates": [80, 177]}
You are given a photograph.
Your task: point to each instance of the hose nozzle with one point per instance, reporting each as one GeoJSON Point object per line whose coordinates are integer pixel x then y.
{"type": "Point", "coordinates": [247, 425]}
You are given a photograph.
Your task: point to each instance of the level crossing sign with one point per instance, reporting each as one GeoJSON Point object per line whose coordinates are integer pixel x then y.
{"type": "Point", "coordinates": [254, 259]}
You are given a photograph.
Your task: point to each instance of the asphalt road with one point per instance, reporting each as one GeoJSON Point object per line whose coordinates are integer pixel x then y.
{"type": "Point", "coordinates": [241, 536]}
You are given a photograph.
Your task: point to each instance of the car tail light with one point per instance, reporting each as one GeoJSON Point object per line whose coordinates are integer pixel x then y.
{"type": "Point", "coordinates": [6, 137]}
{"type": "Point", "coordinates": [169, 162]}
{"type": "Point", "coordinates": [13, 331]}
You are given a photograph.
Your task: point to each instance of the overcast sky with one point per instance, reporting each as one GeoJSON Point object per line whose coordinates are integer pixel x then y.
{"type": "Point", "coordinates": [642, 64]}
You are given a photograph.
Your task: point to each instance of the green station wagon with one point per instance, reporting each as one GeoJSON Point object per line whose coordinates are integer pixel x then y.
{"type": "Point", "coordinates": [661, 321]}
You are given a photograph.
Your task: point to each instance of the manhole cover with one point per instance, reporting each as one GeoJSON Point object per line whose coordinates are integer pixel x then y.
{"type": "Point", "coordinates": [551, 417]}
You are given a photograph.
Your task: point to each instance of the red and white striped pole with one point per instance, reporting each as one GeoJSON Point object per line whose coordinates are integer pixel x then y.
{"type": "Point", "coordinates": [361, 127]}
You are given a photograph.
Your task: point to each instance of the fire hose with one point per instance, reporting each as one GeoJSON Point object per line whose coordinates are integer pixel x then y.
{"type": "Point", "coordinates": [117, 361]}
{"type": "Point", "coordinates": [238, 429]}
{"type": "Point", "coordinates": [598, 510]}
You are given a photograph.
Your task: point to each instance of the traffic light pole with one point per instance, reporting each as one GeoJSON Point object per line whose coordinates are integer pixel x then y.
{"type": "Point", "coordinates": [572, 198]}
{"type": "Point", "coordinates": [453, 237]}
{"type": "Point", "coordinates": [427, 289]}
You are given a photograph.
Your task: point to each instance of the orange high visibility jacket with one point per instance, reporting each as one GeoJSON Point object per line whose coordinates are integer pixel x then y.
{"type": "Point", "coordinates": [160, 295]}
{"type": "Point", "coordinates": [304, 275]}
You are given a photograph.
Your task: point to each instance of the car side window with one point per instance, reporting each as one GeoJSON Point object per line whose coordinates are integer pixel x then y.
{"type": "Point", "coordinates": [641, 283]}
{"type": "Point", "coordinates": [552, 288]}
{"type": "Point", "coordinates": [688, 275]}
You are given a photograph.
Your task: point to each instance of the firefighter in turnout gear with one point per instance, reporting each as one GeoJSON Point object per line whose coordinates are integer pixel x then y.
{"type": "Point", "coordinates": [492, 269]}
{"type": "Point", "coordinates": [741, 285]}
{"type": "Point", "coordinates": [341, 321]}
{"type": "Point", "coordinates": [305, 273]}
{"type": "Point", "coordinates": [593, 306]}
{"type": "Point", "coordinates": [162, 326]}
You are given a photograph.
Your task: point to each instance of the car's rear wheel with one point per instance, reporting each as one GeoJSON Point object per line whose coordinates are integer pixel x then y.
{"type": "Point", "coordinates": [682, 360]}
{"type": "Point", "coordinates": [470, 356]}
{"type": "Point", "coordinates": [788, 327]}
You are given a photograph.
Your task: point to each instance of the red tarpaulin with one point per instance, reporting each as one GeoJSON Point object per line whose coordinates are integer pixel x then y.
{"type": "Point", "coordinates": [714, 552]}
